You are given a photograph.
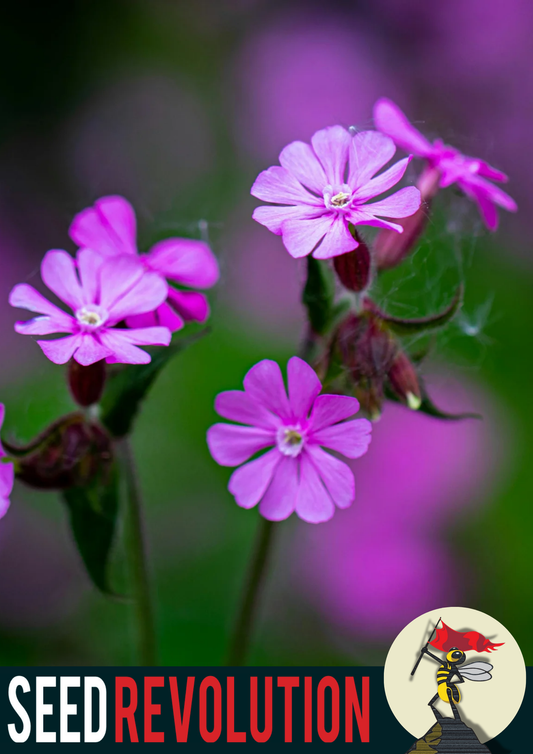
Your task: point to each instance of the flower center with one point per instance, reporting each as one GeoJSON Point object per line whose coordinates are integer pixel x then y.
{"type": "Point", "coordinates": [290, 441]}
{"type": "Point", "coordinates": [337, 197]}
{"type": "Point", "coordinates": [91, 316]}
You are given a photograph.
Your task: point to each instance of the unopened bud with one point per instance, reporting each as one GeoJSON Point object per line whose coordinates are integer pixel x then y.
{"type": "Point", "coordinates": [404, 381]}
{"type": "Point", "coordinates": [69, 453]}
{"type": "Point", "coordinates": [353, 268]}
{"type": "Point", "coordinates": [86, 383]}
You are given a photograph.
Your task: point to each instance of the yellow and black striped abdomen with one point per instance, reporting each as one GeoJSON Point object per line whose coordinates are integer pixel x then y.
{"type": "Point", "coordinates": [443, 674]}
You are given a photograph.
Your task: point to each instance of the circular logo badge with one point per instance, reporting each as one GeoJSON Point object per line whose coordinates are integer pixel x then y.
{"type": "Point", "coordinates": [454, 672]}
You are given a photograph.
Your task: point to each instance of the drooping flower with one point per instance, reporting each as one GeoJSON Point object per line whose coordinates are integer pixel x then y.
{"type": "Point", "coordinates": [7, 473]}
{"type": "Point", "coordinates": [472, 175]}
{"type": "Point", "coordinates": [109, 228]}
{"type": "Point", "coordinates": [101, 293]}
{"type": "Point", "coordinates": [327, 185]}
{"type": "Point", "coordinates": [296, 474]}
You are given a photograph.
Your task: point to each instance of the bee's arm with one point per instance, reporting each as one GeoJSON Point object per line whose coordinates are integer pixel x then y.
{"type": "Point", "coordinates": [426, 651]}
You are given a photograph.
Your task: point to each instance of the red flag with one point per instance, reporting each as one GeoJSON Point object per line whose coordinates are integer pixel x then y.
{"type": "Point", "coordinates": [447, 638]}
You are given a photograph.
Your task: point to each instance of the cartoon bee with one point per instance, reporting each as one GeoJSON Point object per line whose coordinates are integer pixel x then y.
{"type": "Point", "coordinates": [448, 691]}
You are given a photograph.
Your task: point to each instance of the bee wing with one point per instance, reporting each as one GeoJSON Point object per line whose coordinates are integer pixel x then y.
{"type": "Point", "coordinates": [477, 671]}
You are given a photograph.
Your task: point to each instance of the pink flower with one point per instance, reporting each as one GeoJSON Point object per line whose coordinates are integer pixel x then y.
{"type": "Point", "coordinates": [101, 293]}
{"type": "Point", "coordinates": [109, 228]}
{"type": "Point", "coordinates": [469, 173]}
{"type": "Point", "coordinates": [296, 474]}
{"type": "Point", "coordinates": [319, 199]}
{"type": "Point", "coordinates": [7, 473]}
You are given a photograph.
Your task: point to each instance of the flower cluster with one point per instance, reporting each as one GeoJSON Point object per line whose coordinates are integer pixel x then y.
{"type": "Point", "coordinates": [119, 300]}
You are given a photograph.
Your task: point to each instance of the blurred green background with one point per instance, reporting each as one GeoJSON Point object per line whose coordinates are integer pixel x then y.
{"type": "Point", "coordinates": [178, 106]}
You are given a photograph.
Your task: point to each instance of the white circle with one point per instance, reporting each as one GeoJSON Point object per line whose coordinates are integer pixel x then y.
{"type": "Point", "coordinates": [487, 707]}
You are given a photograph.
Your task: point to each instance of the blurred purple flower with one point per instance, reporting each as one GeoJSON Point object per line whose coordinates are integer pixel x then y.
{"type": "Point", "coordinates": [320, 199]}
{"type": "Point", "coordinates": [101, 293]}
{"type": "Point", "coordinates": [304, 69]}
{"type": "Point", "coordinates": [7, 473]}
{"type": "Point", "coordinates": [386, 561]}
{"type": "Point", "coordinates": [469, 173]}
{"type": "Point", "coordinates": [109, 228]}
{"type": "Point", "coordinates": [296, 475]}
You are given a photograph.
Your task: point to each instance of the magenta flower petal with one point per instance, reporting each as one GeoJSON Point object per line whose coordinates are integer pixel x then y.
{"type": "Point", "coordinates": [167, 317]}
{"type": "Point", "coordinates": [314, 503]}
{"type": "Point", "coordinates": [336, 475]}
{"type": "Point", "coordinates": [338, 240]}
{"type": "Point", "coordinates": [190, 305]}
{"type": "Point", "coordinates": [278, 186]}
{"type": "Point", "coordinates": [382, 182]}
{"type": "Point", "coordinates": [122, 344]}
{"type": "Point", "coordinates": [89, 265]}
{"type": "Point", "coordinates": [142, 320]}
{"type": "Point", "coordinates": [248, 483]}
{"type": "Point", "coordinates": [330, 409]}
{"type": "Point", "coordinates": [7, 474]}
{"type": "Point", "coordinates": [24, 296]}
{"type": "Point", "coordinates": [118, 275]}
{"type": "Point", "coordinates": [145, 293]}
{"type": "Point", "coordinates": [264, 385]}
{"type": "Point", "coordinates": [58, 271]}
{"type": "Point", "coordinates": [60, 350]}
{"type": "Point", "coordinates": [90, 350]}
{"type": "Point", "coordinates": [349, 438]}
{"type": "Point", "coordinates": [361, 216]}
{"type": "Point", "coordinates": [403, 203]}
{"type": "Point", "coordinates": [331, 146]}
{"type": "Point", "coordinates": [279, 501]}
{"type": "Point", "coordinates": [302, 235]}
{"type": "Point", "coordinates": [300, 160]}
{"type": "Point", "coordinates": [109, 227]}
{"type": "Point", "coordinates": [45, 326]}
{"type": "Point", "coordinates": [231, 445]}
{"type": "Point", "coordinates": [237, 406]}
{"type": "Point", "coordinates": [369, 152]}
{"type": "Point", "coordinates": [390, 120]}
{"type": "Point", "coordinates": [304, 386]}
{"type": "Point", "coordinates": [188, 262]}
{"type": "Point", "coordinates": [274, 217]}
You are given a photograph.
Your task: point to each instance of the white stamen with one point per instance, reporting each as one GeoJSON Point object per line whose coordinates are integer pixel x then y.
{"type": "Point", "coordinates": [290, 441]}
{"type": "Point", "coordinates": [91, 316]}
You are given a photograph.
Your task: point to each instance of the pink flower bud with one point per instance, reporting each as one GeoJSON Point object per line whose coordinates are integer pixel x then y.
{"type": "Point", "coordinates": [404, 381]}
{"type": "Point", "coordinates": [353, 268]}
{"type": "Point", "coordinates": [86, 382]}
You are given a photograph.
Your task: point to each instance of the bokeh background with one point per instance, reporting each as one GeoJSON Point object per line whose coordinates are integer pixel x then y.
{"type": "Point", "coordinates": [177, 106]}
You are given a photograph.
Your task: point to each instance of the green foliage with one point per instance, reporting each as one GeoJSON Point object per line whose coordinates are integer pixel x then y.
{"type": "Point", "coordinates": [128, 386]}
{"type": "Point", "coordinates": [424, 324]}
{"type": "Point", "coordinates": [93, 511]}
{"type": "Point", "coordinates": [318, 295]}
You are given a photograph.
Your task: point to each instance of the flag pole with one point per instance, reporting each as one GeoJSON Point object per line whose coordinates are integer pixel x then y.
{"type": "Point", "coordinates": [413, 671]}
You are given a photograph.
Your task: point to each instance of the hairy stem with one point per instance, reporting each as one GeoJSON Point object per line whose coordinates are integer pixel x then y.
{"type": "Point", "coordinates": [242, 632]}
{"type": "Point", "coordinates": [136, 557]}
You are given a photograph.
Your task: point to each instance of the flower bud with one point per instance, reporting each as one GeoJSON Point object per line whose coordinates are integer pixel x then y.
{"type": "Point", "coordinates": [367, 350]}
{"type": "Point", "coordinates": [86, 382]}
{"type": "Point", "coordinates": [404, 381]}
{"type": "Point", "coordinates": [70, 453]}
{"type": "Point", "coordinates": [353, 268]}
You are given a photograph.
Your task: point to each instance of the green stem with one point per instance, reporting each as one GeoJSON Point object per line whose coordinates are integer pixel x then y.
{"type": "Point", "coordinates": [136, 556]}
{"type": "Point", "coordinates": [240, 640]}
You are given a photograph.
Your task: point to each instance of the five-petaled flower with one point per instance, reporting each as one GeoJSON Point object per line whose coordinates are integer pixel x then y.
{"type": "Point", "coordinates": [469, 173]}
{"type": "Point", "coordinates": [326, 186]}
{"type": "Point", "coordinates": [296, 474]}
{"type": "Point", "coordinates": [7, 473]}
{"type": "Point", "coordinates": [102, 293]}
{"type": "Point", "coordinates": [109, 228]}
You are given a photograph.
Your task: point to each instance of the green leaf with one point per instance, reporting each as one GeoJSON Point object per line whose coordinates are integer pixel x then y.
{"type": "Point", "coordinates": [423, 324]}
{"type": "Point", "coordinates": [318, 295]}
{"type": "Point", "coordinates": [93, 512]}
{"type": "Point", "coordinates": [126, 388]}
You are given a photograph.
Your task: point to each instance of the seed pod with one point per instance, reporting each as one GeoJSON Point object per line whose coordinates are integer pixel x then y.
{"type": "Point", "coordinates": [353, 268]}
{"type": "Point", "coordinates": [404, 382]}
